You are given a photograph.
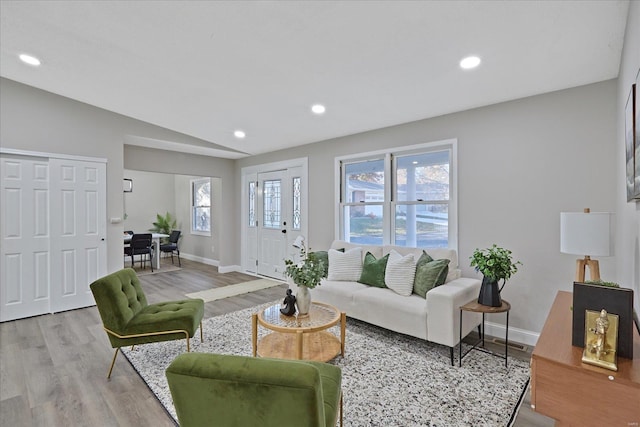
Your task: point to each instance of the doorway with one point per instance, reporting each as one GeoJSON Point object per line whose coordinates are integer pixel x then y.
{"type": "Point", "coordinates": [274, 209]}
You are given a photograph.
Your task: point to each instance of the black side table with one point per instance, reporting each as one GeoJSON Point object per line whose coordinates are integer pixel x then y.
{"type": "Point", "coordinates": [475, 307]}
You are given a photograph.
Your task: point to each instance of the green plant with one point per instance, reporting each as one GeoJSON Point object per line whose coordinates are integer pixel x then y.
{"type": "Point", "coordinates": [602, 283]}
{"type": "Point", "coordinates": [494, 263]}
{"type": "Point", "coordinates": [164, 224]}
{"type": "Point", "coordinates": [307, 272]}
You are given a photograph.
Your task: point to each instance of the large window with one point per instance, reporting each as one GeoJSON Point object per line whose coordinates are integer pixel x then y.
{"type": "Point", "coordinates": [402, 198]}
{"type": "Point", "coordinates": [201, 206]}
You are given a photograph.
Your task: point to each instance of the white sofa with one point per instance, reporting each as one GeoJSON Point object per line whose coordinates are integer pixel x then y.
{"type": "Point", "coordinates": [436, 318]}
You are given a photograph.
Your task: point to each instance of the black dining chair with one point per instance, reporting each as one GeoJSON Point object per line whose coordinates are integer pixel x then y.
{"type": "Point", "coordinates": [172, 246]}
{"type": "Point", "coordinates": [141, 244]}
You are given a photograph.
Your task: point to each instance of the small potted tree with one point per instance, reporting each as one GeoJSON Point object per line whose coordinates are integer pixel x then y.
{"type": "Point", "coordinates": [495, 264]}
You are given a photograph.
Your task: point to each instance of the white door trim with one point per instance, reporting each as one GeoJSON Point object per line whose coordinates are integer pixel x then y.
{"type": "Point", "coordinates": [16, 152]}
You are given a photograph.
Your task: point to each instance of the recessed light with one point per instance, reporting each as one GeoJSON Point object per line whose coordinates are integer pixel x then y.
{"type": "Point", "coordinates": [28, 59]}
{"type": "Point", "coordinates": [318, 109]}
{"type": "Point", "coordinates": [469, 62]}
{"type": "Point", "coordinates": [239, 134]}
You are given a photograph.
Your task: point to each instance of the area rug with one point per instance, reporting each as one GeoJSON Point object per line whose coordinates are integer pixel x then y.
{"type": "Point", "coordinates": [388, 379]}
{"type": "Point", "coordinates": [233, 290]}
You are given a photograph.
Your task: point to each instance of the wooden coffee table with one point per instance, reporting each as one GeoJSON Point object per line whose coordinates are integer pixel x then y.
{"type": "Point", "coordinates": [299, 337]}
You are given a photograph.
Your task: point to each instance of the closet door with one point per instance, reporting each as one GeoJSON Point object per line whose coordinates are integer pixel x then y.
{"type": "Point", "coordinates": [25, 237]}
{"type": "Point", "coordinates": [78, 231]}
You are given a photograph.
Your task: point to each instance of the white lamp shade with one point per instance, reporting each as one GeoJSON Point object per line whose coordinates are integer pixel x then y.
{"type": "Point", "coordinates": [586, 233]}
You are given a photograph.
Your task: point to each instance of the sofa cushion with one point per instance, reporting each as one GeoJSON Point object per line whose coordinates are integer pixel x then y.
{"type": "Point", "coordinates": [400, 273]}
{"type": "Point", "coordinates": [346, 265]}
{"type": "Point", "coordinates": [324, 257]}
{"type": "Point", "coordinates": [376, 250]}
{"type": "Point", "coordinates": [373, 270]}
{"type": "Point", "coordinates": [430, 274]}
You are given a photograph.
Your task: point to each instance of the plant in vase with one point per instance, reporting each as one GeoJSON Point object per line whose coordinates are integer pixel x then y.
{"type": "Point", "coordinates": [495, 264]}
{"type": "Point", "coordinates": [306, 274]}
{"type": "Point", "coordinates": [165, 225]}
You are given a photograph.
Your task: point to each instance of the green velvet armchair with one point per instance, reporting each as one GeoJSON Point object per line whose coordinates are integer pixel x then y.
{"type": "Point", "coordinates": [225, 390]}
{"type": "Point", "coordinates": [128, 319]}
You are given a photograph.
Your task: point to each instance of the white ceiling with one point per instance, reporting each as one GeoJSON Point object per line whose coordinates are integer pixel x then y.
{"type": "Point", "coordinates": [207, 68]}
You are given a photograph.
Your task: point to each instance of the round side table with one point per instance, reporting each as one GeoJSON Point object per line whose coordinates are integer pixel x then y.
{"type": "Point", "coordinates": [476, 307]}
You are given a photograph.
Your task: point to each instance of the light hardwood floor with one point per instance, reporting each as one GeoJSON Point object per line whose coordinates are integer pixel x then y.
{"type": "Point", "coordinates": [53, 368]}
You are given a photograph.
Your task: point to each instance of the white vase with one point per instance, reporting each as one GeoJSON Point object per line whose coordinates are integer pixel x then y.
{"type": "Point", "coordinates": [303, 300]}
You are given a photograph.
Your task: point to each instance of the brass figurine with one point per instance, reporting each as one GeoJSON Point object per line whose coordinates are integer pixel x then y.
{"type": "Point", "coordinates": [601, 336]}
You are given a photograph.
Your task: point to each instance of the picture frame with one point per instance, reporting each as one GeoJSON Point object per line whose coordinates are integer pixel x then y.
{"type": "Point", "coordinates": [630, 146]}
{"type": "Point", "coordinates": [617, 301]}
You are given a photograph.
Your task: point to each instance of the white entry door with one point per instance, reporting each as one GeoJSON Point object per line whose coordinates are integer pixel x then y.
{"type": "Point", "coordinates": [24, 248]}
{"type": "Point", "coordinates": [272, 222]}
{"type": "Point", "coordinates": [78, 231]}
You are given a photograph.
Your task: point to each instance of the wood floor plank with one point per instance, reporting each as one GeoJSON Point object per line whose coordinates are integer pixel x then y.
{"type": "Point", "coordinates": [53, 368]}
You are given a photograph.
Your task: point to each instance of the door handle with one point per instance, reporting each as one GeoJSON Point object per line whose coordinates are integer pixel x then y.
{"type": "Point", "coordinates": [284, 231]}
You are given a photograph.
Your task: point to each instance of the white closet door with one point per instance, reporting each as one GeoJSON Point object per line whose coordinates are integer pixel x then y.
{"type": "Point", "coordinates": [24, 251]}
{"type": "Point", "coordinates": [78, 230]}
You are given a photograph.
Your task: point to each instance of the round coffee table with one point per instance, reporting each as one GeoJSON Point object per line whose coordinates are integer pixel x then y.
{"type": "Point", "coordinates": [299, 337]}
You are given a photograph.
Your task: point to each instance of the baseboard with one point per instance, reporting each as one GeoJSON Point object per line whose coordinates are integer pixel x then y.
{"type": "Point", "coordinates": [229, 268]}
{"type": "Point", "coordinates": [521, 336]}
{"type": "Point", "coordinates": [203, 260]}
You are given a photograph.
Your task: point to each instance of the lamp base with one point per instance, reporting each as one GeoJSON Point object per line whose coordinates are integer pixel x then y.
{"type": "Point", "coordinates": [582, 264]}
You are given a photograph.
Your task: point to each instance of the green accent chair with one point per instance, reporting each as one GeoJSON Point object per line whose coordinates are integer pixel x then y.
{"type": "Point", "coordinates": [128, 319]}
{"type": "Point", "coordinates": [224, 390]}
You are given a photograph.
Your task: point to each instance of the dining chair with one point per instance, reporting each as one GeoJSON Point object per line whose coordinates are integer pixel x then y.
{"type": "Point", "coordinates": [172, 246]}
{"type": "Point", "coordinates": [141, 244]}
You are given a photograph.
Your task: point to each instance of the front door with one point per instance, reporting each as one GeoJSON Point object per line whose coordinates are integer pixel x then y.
{"type": "Point", "coordinates": [272, 222]}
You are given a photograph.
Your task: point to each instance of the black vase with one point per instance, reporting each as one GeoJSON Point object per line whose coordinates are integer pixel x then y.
{"type": "Point", "coordinates": [489, 293]}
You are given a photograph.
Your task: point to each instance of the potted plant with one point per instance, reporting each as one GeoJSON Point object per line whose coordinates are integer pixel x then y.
{"type": "Point", "coordinates": [495, 264]}
{"type": "Point", "coordinates": [306, 274]}
{"type": "Point", "coordinates": [164, 224]}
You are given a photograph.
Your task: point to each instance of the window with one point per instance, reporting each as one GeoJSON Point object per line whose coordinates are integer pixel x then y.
{"type": "Point", "coordinates": [296, 203]}
{"type": "Point", "coordinates": [252, 204]}
{"type": "Point", "coordinates": [201, 206]}
{"type": "Point", "coordinates": [271, 204]}
{"type": "Point", "coordinates": [404, 198]}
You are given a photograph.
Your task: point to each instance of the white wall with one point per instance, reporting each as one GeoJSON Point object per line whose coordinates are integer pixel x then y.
{"type": "Point", "coordinates": [628, 214]}
{"type": "Point", "coordinates": [520, 164]}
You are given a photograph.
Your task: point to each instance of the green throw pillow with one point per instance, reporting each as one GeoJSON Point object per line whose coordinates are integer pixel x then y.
{"type": "Point", "coordinates": [373, 270]}
{"type": "Point", "coordinates": [429, 275]}
{"type": "Point", "coordinates": [324, 257]}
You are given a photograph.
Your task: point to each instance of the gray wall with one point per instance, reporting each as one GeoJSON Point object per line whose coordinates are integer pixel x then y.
{"type": "Point", "coordinates": [36, 120]}
{"type": "Point", "coordinates": [628, 214]}
{"type": "Point", "coordinates": [520, 164]}
{"type": "Point", "coordinates": [153, 193]}
{"type": "Point", "coordinates": [158, 193]}
{"type": "Point", "coordinates": [226, 240]}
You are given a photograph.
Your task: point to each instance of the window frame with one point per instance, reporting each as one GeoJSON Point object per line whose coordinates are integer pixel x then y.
{"type": "Point", "coordinates": [389, 204]}
{"type": "Point", "coordinates": [193, 207]}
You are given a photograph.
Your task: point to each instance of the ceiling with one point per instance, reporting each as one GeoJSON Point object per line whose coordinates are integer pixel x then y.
{"type": "Point", "coordinates": [206, 69]}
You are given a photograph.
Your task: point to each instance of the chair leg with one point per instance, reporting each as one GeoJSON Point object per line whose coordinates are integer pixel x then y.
{"type": "Point", "coordinates": [341, 408]}
{"type": "Point", "coordinates": [151, 262]}
{"type": "Point", "coordinates": [179, 263]}
{"type": "Point", "coordinates": [188, 348]}
{"type": "Point", "coordinates": [113, 361]}
{"type": "Point", "coordinates": [201, 336]}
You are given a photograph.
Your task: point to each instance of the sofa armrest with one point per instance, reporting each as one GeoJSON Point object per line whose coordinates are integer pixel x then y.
{"type": "Point", "coordinates": [443, 310]}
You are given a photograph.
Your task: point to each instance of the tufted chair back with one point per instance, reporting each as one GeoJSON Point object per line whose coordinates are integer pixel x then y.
{"type": "Point", "coordinates": [119, 298]}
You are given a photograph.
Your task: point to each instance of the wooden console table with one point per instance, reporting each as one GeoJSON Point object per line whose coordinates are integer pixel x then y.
{"type": "Point", "coordinates": [577, 394]}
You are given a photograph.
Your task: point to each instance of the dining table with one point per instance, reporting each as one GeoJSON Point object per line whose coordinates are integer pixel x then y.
{"type": "Point", "coordinates": [155, 260]}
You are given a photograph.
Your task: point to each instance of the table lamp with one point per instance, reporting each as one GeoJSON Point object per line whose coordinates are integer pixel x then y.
{"type": "Point", "coordinates": [587, 234]}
